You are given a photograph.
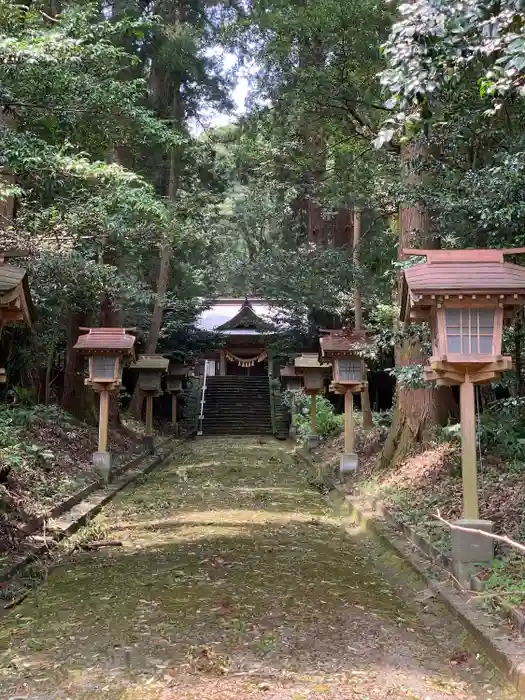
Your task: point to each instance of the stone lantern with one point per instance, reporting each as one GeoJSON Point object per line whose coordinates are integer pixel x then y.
{"type": "Point", "coordinates": [15, 299]}
{"type": "Point", "coordinates": [106, 349]}
{"type": "Point", "coordinates": [313, 373]}
{"type": "Point", "coordinates": [466, 296]}
{"type": "Point", "coordinates": [177, 372]}
{"type": "Point", "coordinates": [150, 369]}
{"type": "Point", "coordinates": [349, 377]}
{"type": "Point", "coordinates": [292, 381]}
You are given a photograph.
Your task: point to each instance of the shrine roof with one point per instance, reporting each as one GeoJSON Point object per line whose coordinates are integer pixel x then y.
{"type": "Point", "coordinates": [241, 317]}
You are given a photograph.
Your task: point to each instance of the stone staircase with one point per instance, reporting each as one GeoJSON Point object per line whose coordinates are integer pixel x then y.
{"type": "Point", "coordinates": [237, 405]}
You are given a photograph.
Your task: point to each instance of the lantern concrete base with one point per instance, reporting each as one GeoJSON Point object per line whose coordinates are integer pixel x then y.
{"type": "Point", "coordinates": [102, 464]}
{"type": "Point", "coordinates": [348, 463]}
{"type": "Point", "coordinates": [469, 548]}
{"type": "Point", "coordinates": [149, 444]}
{"type": "Point", "coordinates": [292, 431]}
{"type": "Point", "coordinates": [313, 441]}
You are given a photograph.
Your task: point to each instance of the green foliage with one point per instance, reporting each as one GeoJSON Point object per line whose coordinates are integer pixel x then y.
{"type": "Point", "coordinates": [15, 451]}
{"type": "Point", "coordinates": [437, 44]}
{"type": "Point", "coordinates": [409, 376]}
{"type": "Point", "coordinates": [328, 422]}
{"type": "Point", "coordinates": [502, 429]}
{"type": "Point", "coordinates": [506, 575]}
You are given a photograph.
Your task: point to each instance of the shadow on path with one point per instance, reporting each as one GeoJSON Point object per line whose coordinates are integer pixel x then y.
{"type": "Point", "coordinates": [235, 580]}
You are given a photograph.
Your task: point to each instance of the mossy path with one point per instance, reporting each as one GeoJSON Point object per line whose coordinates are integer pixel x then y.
{"type": "Point", "coordinates": [235, 580]}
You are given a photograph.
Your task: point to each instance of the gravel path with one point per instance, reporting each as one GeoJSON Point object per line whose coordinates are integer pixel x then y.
{"type": "Point", "coordinates": [235, 580]}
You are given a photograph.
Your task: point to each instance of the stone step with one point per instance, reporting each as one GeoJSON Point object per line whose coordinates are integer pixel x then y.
{"type": "Point", "coordinates": [250, 429]}
{"type": "Point", "coordinates": [238, 411]}
{"type": "Point", "coordinates": [237, 420]}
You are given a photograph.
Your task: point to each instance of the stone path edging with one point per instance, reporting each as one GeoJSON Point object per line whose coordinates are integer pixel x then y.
{"type": "Point", "coordinates": [70, 514]}
{"type": "Point", "coordinates": [501, 649]}
{"type": "Point", "coordinates": [504, 608]}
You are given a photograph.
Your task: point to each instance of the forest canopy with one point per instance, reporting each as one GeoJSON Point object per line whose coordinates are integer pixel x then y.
{"type": "Point", "coordinates": [135, 206]}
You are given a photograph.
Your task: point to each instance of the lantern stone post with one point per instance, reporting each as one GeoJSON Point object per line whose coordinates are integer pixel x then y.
{"type": "Point", "coordinates": [107, 349]}
{"type": "Point", "coordinates": [467, 295]}
{"type": "Point", "coordinates": [341, 348]}
{"type": "Point", "coordinates": [150, 369]}
{"type": "Point", "coordinates": [174, 412]}
{"type": "Point", "coordinates": [103, 420]}
{"type": "Point", "coordinates": [177, 373]}
{"type": "Point", "coordinates": [314, 438]}
{"type": "Point", "coordinates": [468, 449]}
{"type": "Point", "coordinates": [313, 374]}
{"type": "Point", "coordinates": [349, 423]}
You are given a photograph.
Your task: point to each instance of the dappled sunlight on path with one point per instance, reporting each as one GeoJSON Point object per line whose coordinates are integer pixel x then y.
{"type": "Point", "coordinates": [235, 580]}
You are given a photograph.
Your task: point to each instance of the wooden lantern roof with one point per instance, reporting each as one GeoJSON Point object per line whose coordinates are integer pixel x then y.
{"type": "Point", "coordinates": [153, 363]}
{"type": "Point", "coordinates": [342, 343]}
{"type": "Point", "coordinates": [106, 340]}
{"type": "Point", "coordinates": [289, 372]}
{"type": "Point", "coordinates": [178, 369]}
{"type": "Point", "coordinates": [461, 274]}
{"type": "Point", "coordinates": [309, 362]}
{"type": "Point", "coordinates": [15, 297]}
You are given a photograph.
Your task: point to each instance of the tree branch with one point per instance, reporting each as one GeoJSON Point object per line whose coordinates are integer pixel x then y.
{"type": "Point", "coordinates": [490, 535]}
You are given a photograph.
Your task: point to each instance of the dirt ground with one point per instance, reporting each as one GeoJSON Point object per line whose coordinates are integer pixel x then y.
{"type": "Point", "coordinates": [235, 580]}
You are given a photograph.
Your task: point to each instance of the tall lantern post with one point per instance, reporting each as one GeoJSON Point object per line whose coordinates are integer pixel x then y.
{"type": "Point", "coordinates": [150, 369]}
{"type": "Point", "coordinates": [177, 373]}
{"type": "Point", "coordinates": [292, 382]}
{"type": "Point", "coordinates": [107, 349]}
{"type": "Point", "coordinates": [313, 373]}
{"type": "Point", "coordinates": [349, 372]}
{"type": "Point", "coordinates": [467, 296]}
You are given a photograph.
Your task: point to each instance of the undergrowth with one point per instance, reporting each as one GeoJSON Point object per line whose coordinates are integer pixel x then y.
{"type": "Point", "coordinates": [328, 422]}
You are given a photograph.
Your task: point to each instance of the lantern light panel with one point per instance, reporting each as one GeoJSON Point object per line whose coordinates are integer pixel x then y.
{"type": "Point", "coordinates": [105, 368]}
{"type": "Point", "coordinates": [348, 370]}
{"type": "Point", "coordinates": [470, 331]}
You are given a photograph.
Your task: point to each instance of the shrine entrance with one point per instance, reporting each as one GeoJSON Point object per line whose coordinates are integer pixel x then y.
{"type": "Point", "coordinates": [258, 370]}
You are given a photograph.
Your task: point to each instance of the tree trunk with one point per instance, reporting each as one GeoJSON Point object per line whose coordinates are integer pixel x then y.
{"type": "Point", "coordinates": [7, 179]}
{"type": "Point", "coordinates": [366, 411]}
{"type": "Point", "coordinates": [49, 370]}
{"type": "Point", "coordinates": [417, 411]}
{"type": "Point", "coordinates": [177, 113]}
{"type": "Point", "coordinates": [343, 228]}
{"type": "Point", "coordinates": [315, 148]}
{"type": "Point", "coordinates": [75, 398]}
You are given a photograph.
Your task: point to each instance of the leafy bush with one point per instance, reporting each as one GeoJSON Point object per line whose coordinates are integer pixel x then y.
{"type": "Point", "coordinates": [15, 450]}
{"type": "Point", "coordinates": [328, 422]}
{"type": "Point", "coordinates": [501, 430]}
